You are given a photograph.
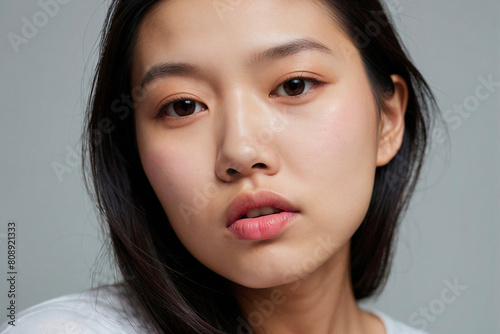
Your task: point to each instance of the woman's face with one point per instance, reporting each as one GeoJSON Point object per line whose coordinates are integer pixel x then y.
{"type": "Point", "coordinates": [276, 92]}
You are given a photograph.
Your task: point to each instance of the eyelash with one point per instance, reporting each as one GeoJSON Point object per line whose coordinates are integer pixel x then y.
{"type": "Point", "coordinates": [312, 79]}
{"type": "Point", "coordinates": [160, 113]}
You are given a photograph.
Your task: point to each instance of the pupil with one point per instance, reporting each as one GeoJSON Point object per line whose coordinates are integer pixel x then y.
{"type": "Point", "coordinates": [184, 107]}
{"type": "Point", "coordinates": [294, 87]}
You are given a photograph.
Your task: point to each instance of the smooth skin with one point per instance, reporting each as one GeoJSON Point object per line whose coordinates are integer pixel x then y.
{"type": "Point", "coordinates": [303, 124]}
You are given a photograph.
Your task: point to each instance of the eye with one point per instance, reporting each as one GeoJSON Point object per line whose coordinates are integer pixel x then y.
{"type": "Point", "coordinates": [180, 107]}
{"type": "Point", "coordinates": [295, 87]}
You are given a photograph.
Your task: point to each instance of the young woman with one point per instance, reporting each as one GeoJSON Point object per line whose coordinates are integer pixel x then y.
{"type": "Point", "coordinates": [251, 160]}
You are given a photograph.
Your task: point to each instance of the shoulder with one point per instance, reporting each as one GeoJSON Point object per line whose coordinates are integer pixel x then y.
{"type": "Point", "coordinates": [393, 326]}
{"type": "Point", "coordinates": [97, 311]}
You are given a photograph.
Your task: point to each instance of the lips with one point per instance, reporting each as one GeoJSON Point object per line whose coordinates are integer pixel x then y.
{"type": "Point", "coordinates": [259, 200]}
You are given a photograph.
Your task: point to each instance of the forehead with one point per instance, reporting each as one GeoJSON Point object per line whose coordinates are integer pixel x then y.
{"type": "Point", "coordinates": [208, 16]}
{"type": "Point", "coordinates": [215, 33]}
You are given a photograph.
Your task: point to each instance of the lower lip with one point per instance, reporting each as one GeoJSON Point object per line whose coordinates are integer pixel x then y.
{"type": "Point", "coordinates": [261, 228]}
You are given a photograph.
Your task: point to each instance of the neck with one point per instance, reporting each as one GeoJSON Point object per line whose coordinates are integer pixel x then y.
{"type": "Point", "coordinates": [322, 302]}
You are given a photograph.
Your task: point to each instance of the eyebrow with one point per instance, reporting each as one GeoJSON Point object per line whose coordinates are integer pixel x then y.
{"type": "Point", "coordinates": [170, 69]}
{"type": "Point", "coordinates": [287, 49]}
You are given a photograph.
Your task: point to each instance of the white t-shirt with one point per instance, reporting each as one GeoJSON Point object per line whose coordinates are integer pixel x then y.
{"type": "Point", "coordinates": [105, 311]}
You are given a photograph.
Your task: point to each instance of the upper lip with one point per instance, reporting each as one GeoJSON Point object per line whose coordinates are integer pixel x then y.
{"type": "Point", "coordinates": [246, 201]}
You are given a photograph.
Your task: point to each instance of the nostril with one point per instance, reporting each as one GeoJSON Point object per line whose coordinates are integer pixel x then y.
{"type": "Point", "coordinates": [259, 165]}
{"type": "Point", "coordinates": [232, 171]}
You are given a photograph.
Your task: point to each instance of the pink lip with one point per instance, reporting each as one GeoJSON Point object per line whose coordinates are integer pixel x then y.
{"type": "Point", "coordinates": [263, 227]}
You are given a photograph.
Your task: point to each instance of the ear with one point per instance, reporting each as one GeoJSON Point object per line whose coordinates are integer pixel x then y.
{"type": "Point", "coordinates": [392, 122]}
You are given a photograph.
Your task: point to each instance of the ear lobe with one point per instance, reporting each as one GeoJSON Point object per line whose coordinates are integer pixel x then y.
{"type": "Point", "coordinates": [392, 122]}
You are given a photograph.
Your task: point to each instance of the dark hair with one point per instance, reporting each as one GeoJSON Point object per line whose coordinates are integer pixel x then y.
{"type": "Point", "coordinates": [176, 293]}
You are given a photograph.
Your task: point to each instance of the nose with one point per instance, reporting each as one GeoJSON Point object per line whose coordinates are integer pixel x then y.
{"type": "Point", "coordinates": [246, 139]}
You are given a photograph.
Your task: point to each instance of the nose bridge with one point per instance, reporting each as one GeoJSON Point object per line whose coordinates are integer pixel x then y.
{"type": "Point", "coordinates": [242, 118]}
{"type": "Point", "coordinates": [243, 114]}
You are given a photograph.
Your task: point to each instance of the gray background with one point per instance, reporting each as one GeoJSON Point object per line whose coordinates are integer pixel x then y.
{"type": "Point", "coordinates": [451, 232]}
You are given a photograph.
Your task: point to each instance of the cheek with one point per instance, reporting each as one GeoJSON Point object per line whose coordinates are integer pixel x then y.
{"type": "Point", "coordinates": [335, 156]}
{"type": "Point", "coordinates": [340, 136]}
{"type": "Point", "coordinates": [348, 141]}
{"type": "Point", "coordinates": [173, 169]}
{"type": "Point", "coordinates": [182, 182]}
